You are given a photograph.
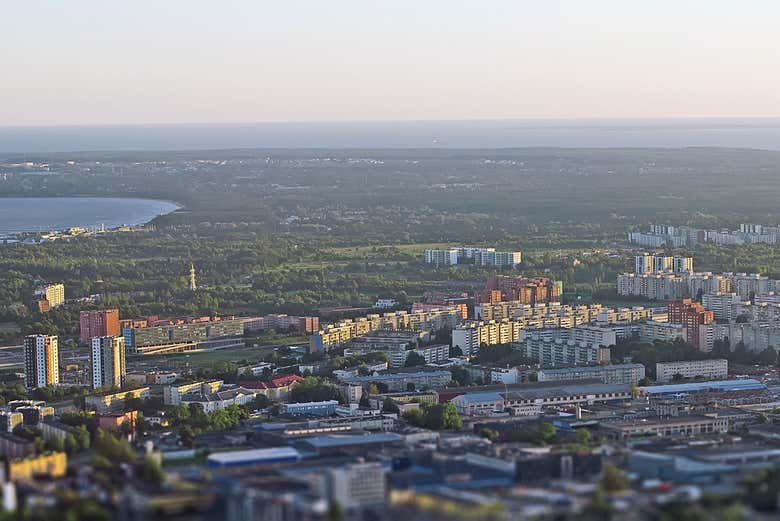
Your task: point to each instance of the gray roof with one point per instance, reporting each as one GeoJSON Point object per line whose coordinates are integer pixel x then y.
{"type": "Point", "coordinates": [566, 389]}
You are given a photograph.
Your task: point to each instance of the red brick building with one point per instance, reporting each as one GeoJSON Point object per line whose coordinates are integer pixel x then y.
{"type": "Point", "coordinates": [104, 322]}
{"type": "Point", "coordinates": [691, 315]}
{"type": "Point", "coordinates": [536, 290]}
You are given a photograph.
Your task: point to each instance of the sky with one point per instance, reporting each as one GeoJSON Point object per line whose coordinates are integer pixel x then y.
{"type": "Point", "coordinates": [83, 62]}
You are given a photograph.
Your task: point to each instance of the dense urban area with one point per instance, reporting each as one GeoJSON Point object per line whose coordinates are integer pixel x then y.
{"type": "Point", "coordinates": [534, 334]}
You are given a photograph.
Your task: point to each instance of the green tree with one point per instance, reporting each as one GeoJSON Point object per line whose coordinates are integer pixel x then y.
{"type": "Point", "coordinates": [612, 479]}
{"type": "Point", "coordinates": [584, 437]}
{"type": "Point", "coordinates": [547, 432]}
{"type": "Point", "coordinates": [414, 359]}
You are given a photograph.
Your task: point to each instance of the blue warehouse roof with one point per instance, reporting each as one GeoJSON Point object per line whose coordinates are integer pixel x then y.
{"type": "Point", "coordinates": [748, 384]}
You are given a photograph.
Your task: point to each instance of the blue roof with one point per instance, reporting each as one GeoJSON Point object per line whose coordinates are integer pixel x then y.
{"type": "Point", "coordinates": [748, 384]}
{"type": "Point", "coordinates": [346, 440]}
{"type": "Point", "coordinates": [481, 397]}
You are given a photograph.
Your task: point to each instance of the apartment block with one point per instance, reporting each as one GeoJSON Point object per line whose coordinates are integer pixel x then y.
{"type": "Point", "coordinates": [706, 369]}
{"type": "Point", "coordinates": [692, 315]}
{"type": "Point", "coordinates": [41, 361]}
{"type": "Point", "coordinates": [107, 361]}
{"type": "Point", "coordinates": [630, 374]}
{"type": "Point", "coordinates": [98, 324]}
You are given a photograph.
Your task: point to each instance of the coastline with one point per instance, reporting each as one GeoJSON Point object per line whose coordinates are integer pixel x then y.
{"type": "Point", "coordinates": [80, 222]}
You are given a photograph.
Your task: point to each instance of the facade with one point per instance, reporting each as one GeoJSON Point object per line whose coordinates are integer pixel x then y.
{"type": "Point", "coordinates": [691, 315]}
{"type": "Point", "coordinates": [106, 402]}
{"type": "Point", "coordinates": [629, 374]}
{"type": "Point", "coordinates": [180, 331]}
{"type": "Point", "coordinates": [756, 336]}
{"type": "Point", "coordinates": [721, 304]}
{"type": "Point", "coordinates": [645, 263]}
{"type": "Point", "coordinates": [441, 257]}
{"type": "Point", "coordinates": [14, 447]}
{"type": "Point", "coordinates": [357, 486]}
{"type": "Point", "coordinates": [98, 323]}
{"type": "Point", "coordinates": [220, 399]}
{"type": "Point", "coordinates": [654, 286]}
{"type": "Point", "coordinates": [51, 465]}
{"type": "Point", "coordinates": [174, 394]}
{"type": "Point", "coordinates": [41, 361]}
{"type": "Point", "coordinates": [107, 361]}
{"type": "Point", "coordinates": [401, 380]}
{"type": "Point", "coordinates": [707, 369]}
{"type": "Point", "coordinates": [478, 256]}
{"type": "Point", "coordinates": [470, 336]}
{"type": "Point", "coordinates": [325, 408]}
{"type": "Point", "coordinates": [10, 420]}
{"type": "Point", "coordinates": [282, 322]}
{"type": "Point", "coordinates": [504, 375]}
{"type": "Point", "coordinates": [652, 330]}
{"type": "Point", "coordinates": [528, 290]}
{"type": "Point", "coordinates": [418, 321]}
{"type": "Point", "coordinates": [560, 352]}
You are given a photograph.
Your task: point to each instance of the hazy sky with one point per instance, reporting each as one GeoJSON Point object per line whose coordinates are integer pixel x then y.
{"type": "Point", "coordinates": [138, 61]}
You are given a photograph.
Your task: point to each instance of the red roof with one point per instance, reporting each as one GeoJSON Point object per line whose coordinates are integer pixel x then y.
{"type": "Point", "coordinates": [279, 381]}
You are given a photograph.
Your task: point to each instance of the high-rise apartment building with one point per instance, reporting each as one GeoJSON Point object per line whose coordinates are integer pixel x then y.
{"type": "Point", "coordinates": [103, 322]}
{"type": "Point", "coordinates": [691, 315]}
{"type": "Point", "coordinates": [645, 263]}
{"type": "Point", "coordinates": [41, 361]}
{"type": "Point", "coordinates": [107, 360]}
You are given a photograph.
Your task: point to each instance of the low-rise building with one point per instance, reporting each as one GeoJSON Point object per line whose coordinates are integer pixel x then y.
{"type": "Point", "coordinates": [220, 399]}
{"type": "Point", "coordinates": [401, 380]}
{"type": "Point", "coordinates": [50, 465]}
{"type": "Point", "coordinates": [324, 408]}
{"type": "Point", "coordinates": [690, 425]}
{"type": "Point", "coordinates": [108, 401]}
{"type": "Point", "coordinates": [174, 393]}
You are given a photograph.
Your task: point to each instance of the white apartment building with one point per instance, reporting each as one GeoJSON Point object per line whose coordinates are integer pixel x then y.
{"type": "Point", "coordinates": [629, 374]}
{"type": "Point", "coordinates": [748, 286]}
{"type": "Point", "coordinates": [652, 330]}
{"type": "Point", "coordinates": [657, 286]}
{"type": "Point", "coordinates": [357, 486]}
{"type": "Point", "coordinates": [107, 361]}
{"type": "Point", "coordinates": [706, 369]}
{"type": "Point", "coordinates": [441, 257]}
{"type": "Point", "coordinates": [721, 304]}
{"type": "Point", "coordinates": [560, 351]}
{"type": "Point", "coordinates": [504, 375]}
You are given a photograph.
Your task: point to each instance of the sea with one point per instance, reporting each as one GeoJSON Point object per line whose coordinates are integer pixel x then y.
{"type": "Point", "coordinates": [46, 214]}
{"type": "Point", "coordinates": [756, 133]}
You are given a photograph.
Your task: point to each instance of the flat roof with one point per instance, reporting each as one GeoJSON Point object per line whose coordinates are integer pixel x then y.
{"type": "Point", "coordinates": [345, 440]}
{"type": "Point", "coordinates": [590, 368]}
{"type": "Point", "coordinates": [649, 422]}
{"type": "Point", "coordinates": [253, 456]}
{"type": "Point", "coordinates": [746, 384]}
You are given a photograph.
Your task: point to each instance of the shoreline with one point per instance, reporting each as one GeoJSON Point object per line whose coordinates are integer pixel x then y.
{"type": "Point", "coordinates": [18, 235]}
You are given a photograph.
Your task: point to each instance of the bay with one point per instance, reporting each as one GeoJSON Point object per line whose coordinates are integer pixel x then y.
{"type": "Point", "coordinates": [45, 214]}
